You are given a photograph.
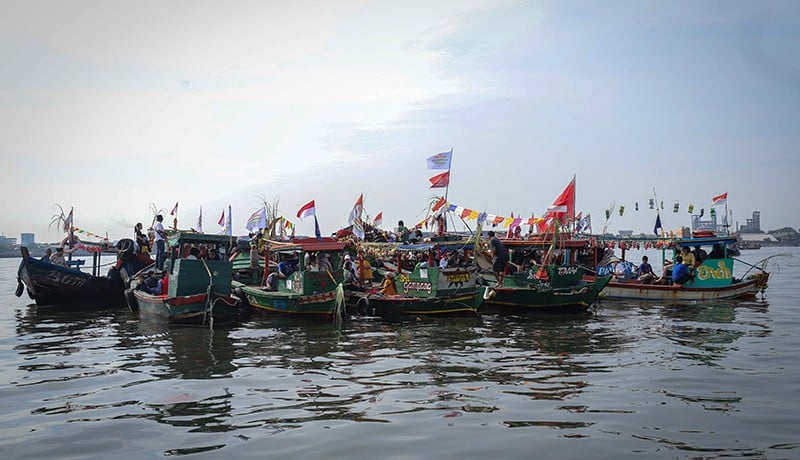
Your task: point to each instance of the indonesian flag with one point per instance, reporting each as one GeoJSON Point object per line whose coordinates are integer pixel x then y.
{"type": "Point", "coordinates": [174, 209]}
{"type": "Point", "coordinates": [719, 199]}
{"type": "Point", "coordinates": [378, 220]}
{"type": "Point", "coordinates": [221, 221]}
{"type": "Point", "coordinates": [438, 205]}
{"type": "Point", "coordinates": [440, 180]}
{"type": "Point", "coordinates": [307, 210]}
{"type": "Point", "coordinates": [564, 203]}
{"type": "Point", "coordinates": [355, 214]}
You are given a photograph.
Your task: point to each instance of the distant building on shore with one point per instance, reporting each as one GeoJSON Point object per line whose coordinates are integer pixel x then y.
{"type": "Point", "coordinates": [27, 238]}
{"type": "Point", "coordinates": [752, 225]}
{"type": "Point", "coordinates": [8, 241]}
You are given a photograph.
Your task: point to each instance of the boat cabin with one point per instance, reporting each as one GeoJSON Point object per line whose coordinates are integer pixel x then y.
{"type": "Point", "coordinates": [308, 279]}
{"type": "Point", "coordinates": [189, 274]}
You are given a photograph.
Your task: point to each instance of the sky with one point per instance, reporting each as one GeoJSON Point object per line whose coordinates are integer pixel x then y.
{"type": "Point", "coordinates": [116, 107]}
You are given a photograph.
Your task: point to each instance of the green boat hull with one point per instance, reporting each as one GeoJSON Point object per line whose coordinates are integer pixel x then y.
{"type": "Point", "coordinates": [465, 303]}
{"type": "Point", "coordinates": [523, 295]}
{"type": "Point", "coordinates": [290, 303]}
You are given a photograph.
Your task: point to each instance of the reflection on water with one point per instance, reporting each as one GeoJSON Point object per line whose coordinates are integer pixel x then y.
{"type": "Point", "coordinates": [648, 379]}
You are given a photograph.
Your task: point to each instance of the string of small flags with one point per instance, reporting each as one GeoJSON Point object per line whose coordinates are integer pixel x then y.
{"type": "Point", "coordinates": [88, 233]}
{"type": "Point", "coordinates": [480, 217]}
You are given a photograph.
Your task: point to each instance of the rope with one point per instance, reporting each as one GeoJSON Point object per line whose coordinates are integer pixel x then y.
{"type": "Point", "coordinates": [338, 311]}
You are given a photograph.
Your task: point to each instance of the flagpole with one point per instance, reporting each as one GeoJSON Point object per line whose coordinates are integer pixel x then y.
{"type": "Point", "coordinates": [446, 190]}
{"type": "Point", "coordinates": [574, 185]}
{"type": "Point", "coordinates": [658, 211]}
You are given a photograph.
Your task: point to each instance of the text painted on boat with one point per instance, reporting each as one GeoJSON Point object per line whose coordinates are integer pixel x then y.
{"type": "Point", "coordinates": [722, 272]}
{"type": "Point", "coordinates": [417, 286]}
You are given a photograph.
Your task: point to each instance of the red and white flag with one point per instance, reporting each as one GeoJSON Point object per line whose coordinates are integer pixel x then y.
{"type": "Point", "coordinates": [378, 220]}
{"type": "Point", "coordinates": [307, 210]}
{"type": "Point", "coordinates": [174, 209]}
{"type": "Point", "coordinates": [221, 221]}
{"type": "Point", "coordinates": [440, 180]}
{"type": "Point", "coordinates": [719, 199]}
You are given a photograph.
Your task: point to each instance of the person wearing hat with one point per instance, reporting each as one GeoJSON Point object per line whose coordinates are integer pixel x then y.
{"type": "Point", "coordinates": [389, 288]}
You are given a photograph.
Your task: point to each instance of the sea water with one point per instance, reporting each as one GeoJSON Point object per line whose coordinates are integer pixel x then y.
{"type": "Point", "coordinates": [625, 380]}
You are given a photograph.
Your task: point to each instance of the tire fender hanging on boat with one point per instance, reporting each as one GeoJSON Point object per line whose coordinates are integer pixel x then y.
{"type": "Point", "coordinates": [20, 288]}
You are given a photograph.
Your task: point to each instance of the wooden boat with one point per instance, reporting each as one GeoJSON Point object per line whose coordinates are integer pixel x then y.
{"type": "Point", "coordinates": [198, 290]}
{"type": "Point", "coordinates": [49, 284]}
{"type": "Point", "coordinates": [306, 292]}
{"type": "Point", "coordinates": [713, 278]}
{"type": "Point", "coordinates": [425, 291]}
{"type": "Point", "coordinates": [555, 284]}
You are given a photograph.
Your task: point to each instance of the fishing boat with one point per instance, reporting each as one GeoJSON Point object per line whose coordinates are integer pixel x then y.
{"type": "Point", "coordinates": [424, 291]}
{"type": "Point", "coordinates": [50, 284]}
{"type": "Point", "coordinates": [548, 276]}
{"type": "Point", "coordinates": [713, 278]}
{"type": "Point", "coordinates": [191, 290]}
{"type": "Point", "coordinates": [306, 291]}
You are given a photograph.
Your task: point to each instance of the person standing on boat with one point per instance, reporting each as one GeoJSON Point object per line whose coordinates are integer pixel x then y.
{"type": "Point", "coordinates": [142, 243]}
{"type": "Point", "coordinates": [499, 257]}
{"type": "Point", "coordinates": [160, 235]}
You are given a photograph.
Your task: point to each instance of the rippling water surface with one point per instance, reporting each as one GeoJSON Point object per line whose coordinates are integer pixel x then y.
{"type": "Point", "coordinates": [640, 380]}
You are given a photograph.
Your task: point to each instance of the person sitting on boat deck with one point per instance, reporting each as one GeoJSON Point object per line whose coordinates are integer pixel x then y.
{"type": "Point", "coordinates": [323, 262]}
{"type": "Point", "coordinates": [212, 253]}
{"type": "Point", "coordinates": [499, 255]}
{"type": "Point", "coordinates": [680, 273]}
{"type": "Point", "coordinates": [58, 257]}
{"type": "Point", "coordinates": [402, 232]}
{"type": "Point", "coordinates": [349, 276]}
{"type": "Point", "coordinates": [311, 265]}
{"type": "Point", "coordinates": [687, 256]}
{"type": "Point", "coordinates": [286, 268]}
{"type": "Point", "coordinates": [142, 243]}
{"type": "Point", "coordinates": [645, 272]}
{"type": "Point", "coordinates": [622, 269]}
{"type": "Point", "coordinates": [160, 236]}
{"type": "Point", "coordinates": [717, 252]}
{"type": "Point", "coordinates": [415, 236]}
{"type": "Point", "coordinates": [389, 288]}
{"type": "Point", "coordinates": [47, 253]}
{"type": "Point", "coordinates": [363, 270]}
{"type": "Point", "coordinates": [699, 256]}
{"type": "Point", "coordinates": [194, 253]}
{"type": "Point", "coordinates": [445, 259]}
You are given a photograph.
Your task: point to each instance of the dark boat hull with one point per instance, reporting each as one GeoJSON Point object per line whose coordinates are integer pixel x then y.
{"type": "Point", "coordinates": [545, 299]}
{"type": "Point", "coordinates": [463, 304]}
{"type": "Point", "coordinates": [49, 284]}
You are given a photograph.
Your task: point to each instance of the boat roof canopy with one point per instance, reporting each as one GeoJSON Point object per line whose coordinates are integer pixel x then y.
{"type": "Point", "coordinates": [706, 241]}
{"type": "Point", "coordinates": [178, 238]}
{"type": "Point", "coordinates": [309, 245]}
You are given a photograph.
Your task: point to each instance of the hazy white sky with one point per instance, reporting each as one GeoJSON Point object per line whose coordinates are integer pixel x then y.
{"type": "Point", "coordinates": [110, 106]}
